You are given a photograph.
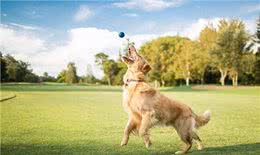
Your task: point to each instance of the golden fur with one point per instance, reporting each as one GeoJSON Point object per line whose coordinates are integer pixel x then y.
{"type": "Point", "coordinates": [146, 107]}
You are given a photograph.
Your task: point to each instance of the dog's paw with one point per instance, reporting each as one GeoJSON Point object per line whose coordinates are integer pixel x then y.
{"type": "Point", "coordinates": [179, 152]}
{"type": "Point", "coordinates": [148, 145]}
{"type": "Point", "coordinates": [123, 144]}
{"type": "Point", "coordinates": [199, 147]}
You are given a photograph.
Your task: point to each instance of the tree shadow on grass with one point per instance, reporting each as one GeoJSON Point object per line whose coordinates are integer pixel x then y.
{"type": "Point", "coordinates": [98, 148]}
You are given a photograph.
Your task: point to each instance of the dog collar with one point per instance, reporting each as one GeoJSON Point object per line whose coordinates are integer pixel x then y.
{"type": "Point", "coordinates": [132, 80]}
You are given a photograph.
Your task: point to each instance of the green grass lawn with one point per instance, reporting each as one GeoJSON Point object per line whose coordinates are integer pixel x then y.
{"type": "Point", "coordinates": [61, 119]}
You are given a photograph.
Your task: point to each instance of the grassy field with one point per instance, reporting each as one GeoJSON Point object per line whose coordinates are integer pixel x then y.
{"type": "Point", "coordinates": [60, 119]}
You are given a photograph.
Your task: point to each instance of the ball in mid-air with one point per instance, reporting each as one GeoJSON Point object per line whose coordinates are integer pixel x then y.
{"type": "Point", "coordinates": [121, 34]}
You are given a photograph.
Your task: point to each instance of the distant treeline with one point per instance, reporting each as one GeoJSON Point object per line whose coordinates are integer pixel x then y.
{"type": "Point", "coordinates": [13, 70]}
{"type": "Point", "coordinates": [226, 54]}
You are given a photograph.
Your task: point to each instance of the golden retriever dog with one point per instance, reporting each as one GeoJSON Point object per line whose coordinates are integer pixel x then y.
{"type": "Point", "coordinates": [146, 107]}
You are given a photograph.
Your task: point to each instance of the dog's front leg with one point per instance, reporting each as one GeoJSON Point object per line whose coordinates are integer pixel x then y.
{"type": "Point", "coordinates": [144, 128]}
{"type": "Point", "coordinates": [128, 128]}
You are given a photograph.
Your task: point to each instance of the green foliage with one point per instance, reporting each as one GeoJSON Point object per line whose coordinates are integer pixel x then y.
{"type": "Point", "coordinates": [186, 64]}
{"type": "Point", "coordinates": [62, 76]}
{"type": "Point", "coordinates": [254, 43]}
{"type": "Point", "coordinates": [207, 40]}
{"type": "Point", "coordinates": [173, 58]}
{"type": "Point", "coordinates": [71, 73]}
{"type": "Point", "coordinates": [31, 77]}
{"type": "Point", "coordinates": [227, 55]}
{"type": "Point", "coordinates": [256, 68]}
{"type": "Point", "coordinates": [13, 70]}
{"type": "Point", "coordinates": [113, 71]}
{"type": "Point", "coordinates": [3, 74]}
{"type": "Point", "coordinates": [89, 78]}
{"type": "Point", "coordinates": [47, 78]}
{"type": "Point", "coordinates": [160, 55]}
{"type": "Point", "coordinates": [118, 78]}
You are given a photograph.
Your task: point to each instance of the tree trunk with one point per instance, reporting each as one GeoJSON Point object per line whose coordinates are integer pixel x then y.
{"type": "Point", "coordinates": [223, 76]}
{"type": "Point", "coordinates": [222, 80]}
{"type": "Point", "coordinates": [108, 81]}
{"type": "Point", "coordinates": [202, 78]}
{"type": "Point", "coordinates": [187, 81]}
{"type": "Point", "coordinates": [235, 79]}
{"type": "Point", "coordinates": [156, 84]}
{"type": "Point", "coordinates": [163, 83]}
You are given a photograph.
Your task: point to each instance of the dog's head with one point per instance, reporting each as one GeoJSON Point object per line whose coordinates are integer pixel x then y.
{"type": "Point", "coordinates": [137, 65]}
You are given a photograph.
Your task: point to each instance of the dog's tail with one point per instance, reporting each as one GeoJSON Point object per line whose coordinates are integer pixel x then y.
{"type": "Point", "coordinates": [203, 119]}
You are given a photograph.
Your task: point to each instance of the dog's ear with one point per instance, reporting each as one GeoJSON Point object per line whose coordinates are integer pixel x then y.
{"type": "Point", "coordinates": [127, 60]}
{"type": "Point", "coordinates": [146, 68]}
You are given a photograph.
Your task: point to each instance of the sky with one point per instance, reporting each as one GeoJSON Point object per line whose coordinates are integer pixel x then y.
{"type": "Point", "coordinates": [49, 34]}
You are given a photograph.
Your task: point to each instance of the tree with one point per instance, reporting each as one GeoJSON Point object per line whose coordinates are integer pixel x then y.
{"type": "Point", "coordinates": [89, 71]}
{"type": "Point", "coordinates": [71, 73]}
{"type": "Point", "coordinates": [247, 72]}
{"type": "Point", "coordinates": [240, 38]}
{"type": "Point", "coordinates": [31, 77]}
{"type": "Point", "coordinates": [227, 53]}
{"type": "Point", "coordinates": [118, 78]}
{"type": "Point", "coordinates": [89, 78]}
{"type": "Point", "coordinates": [160, 54]}
{"type": "Point", "coordinates": [101, 58]}
{"type": "Point", "coordinates": [185, 60]}
{"type": "Point", "coordinates": [11, 68]}
{"type": "Point", "coordinates": [45, 74]}
{"type": "Point", "coordinates": [220, 54]}
{"type": "Point", "coordinates": [110, 70]}
{"type": "Point", "coordinates": [108, 66]}
{"type": "Point", "coordinates": [16, 69]}
{"type": "Point", "coordinates": [3, 74]}
{"type": "Point", "coordinates": [47, 78]}
{"type": "Point", "coordinates": [207, 40]}
{"type": "Point", "coordinates": [62, 76]}
{"type": "Point", "coordinates": [257, 68]}
{"type": "Point", "coordinates": [254, 44]}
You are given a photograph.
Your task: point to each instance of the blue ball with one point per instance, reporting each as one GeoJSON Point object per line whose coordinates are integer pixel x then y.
{"type": "Point", "coordinates": [121, 34]}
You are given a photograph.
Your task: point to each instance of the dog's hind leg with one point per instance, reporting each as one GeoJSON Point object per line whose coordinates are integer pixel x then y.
{"type": "Point", "coordinates": [195, 136]}
{"type": "Point", "coordinates": [184, 129]}
{"type": "Point", "coordinates": [144, 128]}
{"type": "Point", "coordinates": [197, 140]}
{"type": "Point", "coordinates": [187, 139]}
{"type": "Point", "coordinates": [128, 129]}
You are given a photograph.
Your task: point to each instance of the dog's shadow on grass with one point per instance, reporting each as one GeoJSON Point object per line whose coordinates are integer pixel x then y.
{"type": "Point", "coordinates": [232, 149]}
{"type": "Point", "coordinates": [253, 148]}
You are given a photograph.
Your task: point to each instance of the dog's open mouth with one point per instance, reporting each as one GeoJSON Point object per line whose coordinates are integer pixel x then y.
{"type": "Point", "coordinates": [129, 57]}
